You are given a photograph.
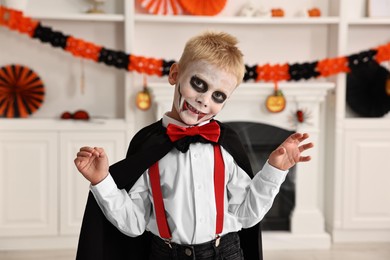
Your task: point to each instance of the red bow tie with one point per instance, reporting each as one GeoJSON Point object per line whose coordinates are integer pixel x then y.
{"type": "Point", "coordinates": [210, 131]}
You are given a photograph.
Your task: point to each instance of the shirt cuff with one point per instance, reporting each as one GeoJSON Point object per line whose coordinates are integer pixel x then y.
{"type": "Point", "coordinates": [272, 174]}
{"type": "Point", "coordinates": [105, 187]}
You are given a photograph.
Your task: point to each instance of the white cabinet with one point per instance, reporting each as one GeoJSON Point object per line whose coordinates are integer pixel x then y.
{"type": "Point", "coordinates": [362, 211]}
{"type": "Point", "coordinates": [367, 179]}
{"type": "Point", "coordinates": [42, 195]}
{"type": "Point", "coordinates": [28, 183]}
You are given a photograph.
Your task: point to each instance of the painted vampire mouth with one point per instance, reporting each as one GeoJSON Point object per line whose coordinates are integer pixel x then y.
{"type": "Point", "coordinates": [187, 106]}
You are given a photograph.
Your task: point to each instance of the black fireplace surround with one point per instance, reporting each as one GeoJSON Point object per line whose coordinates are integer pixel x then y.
{"type": "Point", "coordinates": [259, 141]}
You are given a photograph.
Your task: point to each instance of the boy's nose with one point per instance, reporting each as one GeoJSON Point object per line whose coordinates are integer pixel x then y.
{"type": "Point", "coordinates": [203, 100]}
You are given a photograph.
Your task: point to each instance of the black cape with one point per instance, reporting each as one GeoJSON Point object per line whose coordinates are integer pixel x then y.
{"type": "Point", "coordinates": [100, 240]}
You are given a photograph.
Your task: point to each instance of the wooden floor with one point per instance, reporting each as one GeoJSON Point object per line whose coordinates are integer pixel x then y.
{"type": "Point", "coordinates": [370, 251]}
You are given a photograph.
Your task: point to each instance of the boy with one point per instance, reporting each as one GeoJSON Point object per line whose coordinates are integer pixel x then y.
{"type": "Point", "coordinates": [186, 180]}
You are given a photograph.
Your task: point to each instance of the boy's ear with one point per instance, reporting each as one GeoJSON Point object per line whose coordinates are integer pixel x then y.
{"type": "Point", "coordinates": [173, 73]}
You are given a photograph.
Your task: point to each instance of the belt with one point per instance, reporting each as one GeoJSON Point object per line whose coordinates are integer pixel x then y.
{"type": "Point", "coordinates": [190, 250]}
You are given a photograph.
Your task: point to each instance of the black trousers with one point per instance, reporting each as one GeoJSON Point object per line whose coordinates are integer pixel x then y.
{"type": "Point", "coordinates": [228, 249]}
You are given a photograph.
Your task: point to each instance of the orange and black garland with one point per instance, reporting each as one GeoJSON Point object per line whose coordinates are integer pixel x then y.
{"type": "Point", "coordinates": [15, 20]}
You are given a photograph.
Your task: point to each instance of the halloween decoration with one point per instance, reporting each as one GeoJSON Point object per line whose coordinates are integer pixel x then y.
{"type": "Point", "coordinates": [78, 115]}
{"type": "Point", "coordinates": [66, 115]}
{"type": "Point", "coordinates": [21, 91]}
{"type": "Point", "coordinates": [300, 116]}
{"type": "Point", "coordinates": [81, 115]}
{"type": "Point", "coordinates": [203, 7]}
{"type": "Point", "coordinates": [143, 98]}
{"type": "Point", "coordinates": [277, 12]}
{"type": "Point", "coordinates": [276, 102]}
{"type": "Point", "coordinates": [247, 10]}
{"type": "Point", "coordinates": [16, 21]}
{"type": "Point", "coordinates": [96, 7]}
{"type": "Point", "coordinates": [367, 89]}
{"type": "Point", "coordinates": [164, 7]}
{"type": "Point", "coordinates": [314, 12]}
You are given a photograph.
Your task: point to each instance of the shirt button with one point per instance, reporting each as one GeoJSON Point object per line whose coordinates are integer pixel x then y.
{"type": "Point", "coordinates": [195, 155]}
{"type": "Point", "coordinates": [188, 252]}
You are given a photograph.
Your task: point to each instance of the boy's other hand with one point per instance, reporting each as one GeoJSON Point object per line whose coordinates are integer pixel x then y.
{"type": "Point", "coordinates": [92, 163]}
{"type": "Point", "coordinates": [289, 152]}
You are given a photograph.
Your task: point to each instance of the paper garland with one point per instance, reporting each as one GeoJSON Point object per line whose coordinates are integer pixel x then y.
{"type": "Point", "coordinates": [15, 20]}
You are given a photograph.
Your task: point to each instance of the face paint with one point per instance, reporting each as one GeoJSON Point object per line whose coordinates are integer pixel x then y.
{"type": "Point", "coordinates": [201, 92]}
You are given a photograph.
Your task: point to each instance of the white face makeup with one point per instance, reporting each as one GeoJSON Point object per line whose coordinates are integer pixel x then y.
{"type": "Point", "coordinates": [201, 92]}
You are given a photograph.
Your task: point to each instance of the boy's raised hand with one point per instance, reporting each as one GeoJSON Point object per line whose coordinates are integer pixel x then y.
{"type": "Point", "coordinates": [289, 152]}
{"type": "Point", "coordinates": [92, 163]}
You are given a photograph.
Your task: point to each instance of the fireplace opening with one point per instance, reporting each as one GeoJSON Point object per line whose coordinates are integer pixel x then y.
{"type": "Point", "coordinates": [259, 140]}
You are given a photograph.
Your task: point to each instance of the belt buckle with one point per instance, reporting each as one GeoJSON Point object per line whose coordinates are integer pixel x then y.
{"type": "Point", "coordinates": [217, 240]}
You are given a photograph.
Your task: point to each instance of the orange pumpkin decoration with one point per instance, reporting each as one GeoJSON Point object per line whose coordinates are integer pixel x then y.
{"type": "Point", "coordinates": [276, 103]}
{"type": "Point", "coordinates": [21, 91]}
{"type": "Point", "coordinates": [277, 12]}
{"type": "Point", "coordinates": [203, 7]}
{"type": "Point", "coordinates": [143, 99]}
{"type": "Point", "coordinates": [314, 12]}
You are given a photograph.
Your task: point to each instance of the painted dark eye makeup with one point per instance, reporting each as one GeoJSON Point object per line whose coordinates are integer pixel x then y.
{"type": "Point", "coordinates": [219, 97]}
{"type": "Point", "coordinates": [198, 84]}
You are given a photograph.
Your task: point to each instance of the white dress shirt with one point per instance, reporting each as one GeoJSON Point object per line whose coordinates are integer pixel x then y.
{"type": "Point", "coordinates": [188, 192]}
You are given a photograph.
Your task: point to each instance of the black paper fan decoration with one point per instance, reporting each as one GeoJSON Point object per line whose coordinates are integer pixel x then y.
{"type": "Point", "coordinates": [21, 91]}
{"type": "Point", "coordinates": [367, 94]}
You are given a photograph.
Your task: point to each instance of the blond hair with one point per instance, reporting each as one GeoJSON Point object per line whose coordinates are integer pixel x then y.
{"type": "Point", "coordinates": [217, 48]}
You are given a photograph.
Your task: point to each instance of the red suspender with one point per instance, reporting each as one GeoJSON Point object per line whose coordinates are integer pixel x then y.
{"type": "Point", "coordinates": [159, 208]}
{"type": "Point", "coordinates": [219, 189]}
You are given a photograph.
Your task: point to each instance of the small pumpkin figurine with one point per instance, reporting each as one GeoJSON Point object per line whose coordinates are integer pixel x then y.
{"type": "Point", "coordinates": [276, 102]}
{"type": "Point", "coordinates": [143, 98]}
{"type": "Point", "coordinates": [277, 12]}
{"type": "Point", "coordinates": [314, 12]}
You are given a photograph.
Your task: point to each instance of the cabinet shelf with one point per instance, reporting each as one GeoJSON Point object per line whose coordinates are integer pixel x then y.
{"type": "Point", "coordinates": [235, 20]}
{"type": "Point", "coordinates": [79, 17]}
{"type": "Point", "coordinates": [369, 21]}
{"type": "Point", "coordinates": [16, 124]}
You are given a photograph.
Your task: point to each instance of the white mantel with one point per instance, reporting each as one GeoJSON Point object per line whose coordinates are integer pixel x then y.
{"type": "Point", "coordinates": [248, 104]}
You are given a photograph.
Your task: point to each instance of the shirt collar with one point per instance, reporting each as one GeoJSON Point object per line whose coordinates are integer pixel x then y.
{"type": "Point", "coordinates": [166, 120]}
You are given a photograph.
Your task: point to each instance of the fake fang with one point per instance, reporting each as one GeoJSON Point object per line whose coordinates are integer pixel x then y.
{"type": "Point", "coordinates": [187, 106]}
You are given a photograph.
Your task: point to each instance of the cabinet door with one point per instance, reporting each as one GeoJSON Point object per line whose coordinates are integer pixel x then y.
{"type": "Point", "coordinates": [74, 187]}
{"type": "Point", "coordinates": [367, 179]}
{"type": "Point", "coordinates": [28, 184]}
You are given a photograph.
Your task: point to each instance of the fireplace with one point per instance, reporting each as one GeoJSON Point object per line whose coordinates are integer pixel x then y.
{"type": "Point", "coordinates": [305, 227]}
{"type": "Point", "coordinates": [259, 140]}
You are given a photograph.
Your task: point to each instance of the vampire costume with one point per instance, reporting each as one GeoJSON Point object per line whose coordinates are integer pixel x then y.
{"type": "Point", "coordinates": [100, 240]}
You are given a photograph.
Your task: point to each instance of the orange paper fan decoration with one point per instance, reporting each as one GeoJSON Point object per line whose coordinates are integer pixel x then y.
{"type": "Point", "coordinates": [162, 6]}
{"type": "Point", "coordinates": [21, 91]}
{"type": "Point", "coordinates": [203, 7]}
